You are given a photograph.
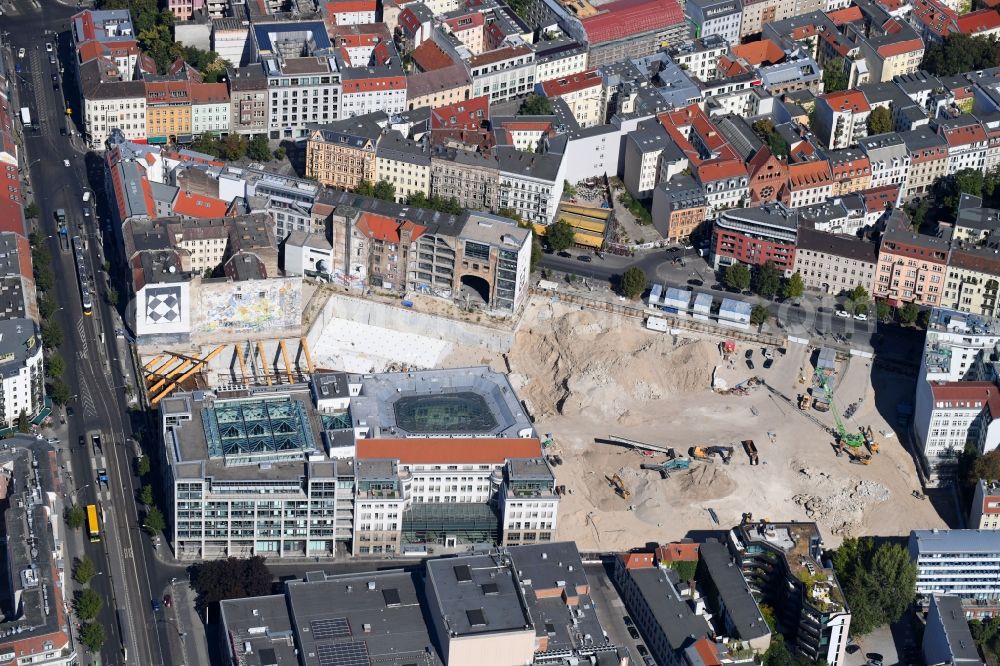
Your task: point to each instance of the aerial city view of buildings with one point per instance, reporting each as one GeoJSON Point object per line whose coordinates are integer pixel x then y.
{"type": "Point", "coordinates": [506, 332]}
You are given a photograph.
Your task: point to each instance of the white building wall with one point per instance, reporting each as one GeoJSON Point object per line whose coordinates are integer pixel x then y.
{"type": "Point", "coordinates": [103, 115]}
{"type": "Point", "coordinates": [210, 118]}
{"type": "Point", "coordinates": [559, 67]}
{"type": "Point", "coordinates": [359, 104]}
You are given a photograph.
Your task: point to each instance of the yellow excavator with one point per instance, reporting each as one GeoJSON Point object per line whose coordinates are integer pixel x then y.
{"type": "Point", "coordinates": [619, 486]}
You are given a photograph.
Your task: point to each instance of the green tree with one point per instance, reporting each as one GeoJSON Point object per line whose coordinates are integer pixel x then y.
{"type": "Point", "coordinates": [536, 253]}
{"type": "Point", "coordinates": [231, 578]}
{"type": "Point", "coordinates": [959, 53]}
{"type": "Point", "coordinates": [737, 277]}
{"type": "Point", "coordinates": [46, 307]}
{"type": "Point", "coordinates": [917, 212]}
{"type": "Point", "coordinates": [908, 314]}
{"type": "Point", "coordinates": [858, 299]}
{"type": "Point", "coordinates": [947, 191]}
{"type": "Point", "coordinates": [879, 121]}
{"type": "Point", "coordinates": [258, 149]}
{"type": "Point", "coordinates": [365, 188]}
{"type": "Point", "coordinates": [280, 153]}
{"type": "Point", "coordinates": [22, 422]}
{"type": "Point", "coordinates": [880, 582]}
{"type": "Point", "coordinates": [759, 314]}
{"type": "Point", "coordinates": [87, 604]}
{"type": "Point", "coordinates": [569, 189]}
{"type": "Point", "coordinates": [633, 282]}
{"type": "Point", "coordinates": [834, 76]}
{"type": "Point", "coordinates": [385, 191]}
{"type": "Point", "coordinates": [84, 570]}
{"type": "Point", "coordinates": [112, 296]}
{"type": "Point", "coordinates": [767, 280]}
{"type": "Point", "coordinates": [92, 635]}
{"type": "Point", "coordinates": [535, 105]}
{"type": "Point", "coordinates": [924, 319]}
{"type": "Point", "coordinates": [154, 522]}
{"type": "Point", "coordinates": [58, 390]}
{"type": "Point", "coordinates": [794, 287]}
{"type": "Point", "coordinates": [560, 235]}
{"type": "Point", "coordinates": [52, 336]}
{"type": "Point", "coordinates": [75, 517]}
{"type": "Point", "coordinates": [44, 278]}
{"type": "Point", "coordinates": [777, 144]}
{"type": "Point", "coordinates": [146, 495]}
{"type": "Point", "coordinates": [882, 311]}
{"type": "Point", "coordinates": [31, 211]}
{"type": "Point", "coordinates": [54, 365]}
{"type": "Point", "coordinates": [987, 466]}
{"type": "Point", "coordinates": [142, 466]}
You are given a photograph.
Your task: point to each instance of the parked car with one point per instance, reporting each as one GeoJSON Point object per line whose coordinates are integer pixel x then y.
{"type": "Point", "coordinates": [861, 316]}
{"type": "Point", "coordinates": [48, 46]}
{"type": "Point", "coordinates": [156, 605]}
{"type": "Point", "coordinates": [628, 621]}
{"type": "Point", "coordinates": [633, 633]}
{"type": "Point", "coordinates": [168, 601]}
{"type": "Point", "coordinates": [695, 283]}
{"type": "Point", "coordinates": [20, 52]}
{"type": "Point", "coordinates": [564, 254]}
{"type": "Point", "coordinates": [750, 364]}
{"type": "Point", "coordinates": [748, 355]}
{"type": "Point", "coordinates": [65, 163]}
{"type": "Point", "coordinates": [768, 353]}
{"type": "Point", "coordinates": [641, 649]}
{"type": "Point", "coordinates": [768, 363]}
{"type": "Point", "coordinates": [586, 258]}
{"type": "Point", "coordinates": [843, 314]}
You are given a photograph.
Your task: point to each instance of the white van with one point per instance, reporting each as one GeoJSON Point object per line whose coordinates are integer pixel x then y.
{"type": "Point", "coordinates": [86, 196]}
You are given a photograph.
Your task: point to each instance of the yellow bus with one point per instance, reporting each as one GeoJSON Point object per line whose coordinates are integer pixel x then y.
{"type": "Point", "coordinates": [92, 525]}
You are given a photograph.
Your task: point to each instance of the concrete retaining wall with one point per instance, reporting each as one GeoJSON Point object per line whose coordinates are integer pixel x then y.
{"type": "Point", "coordinates": [405, 320]}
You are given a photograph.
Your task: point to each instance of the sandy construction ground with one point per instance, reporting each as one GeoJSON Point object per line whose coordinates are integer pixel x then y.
{"type": "Point", "coordinates": [589, 375]}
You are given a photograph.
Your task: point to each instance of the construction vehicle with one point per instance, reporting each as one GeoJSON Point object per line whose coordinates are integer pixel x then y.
{"type": "Point", "coordinates": [698, 453]}
{"type": "Point", "coordinates": [848, 439]}
{"type": "Point", "coordinates": [619, 486]}
{"type": "Point", "coordinates": [870, 442]}
{"type": "Point", "coordinates": [725, 453]}
{"type": "Point", "coordinates": [804, 402]}
{"type": "Point", "coordinates": [860, 458]}
{"type": "Point", "coordinates": [665, 468]}
{"type": "Point", "coordinates": [751, 449]}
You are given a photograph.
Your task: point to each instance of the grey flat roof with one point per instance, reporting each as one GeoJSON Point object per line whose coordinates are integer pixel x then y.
{"type": "Point", "coordinates": [679, 623]}
{"type": "Point", "coordinates": [380, 610]}
{"type": "Point", "coordinates": [838, 246]}
{"type": "Point", "coordinates": [244, 619]}
{"type": "Point", "coordinates": [955, 541]}
{"type": "Point", "coordinates": [477, 594]}
{"type": "Point", "coordinates": [530, 469]}
{"type": "Point", "coordinates": [733, 591]}
{"type": "Point", "coordinates": [956, 628]}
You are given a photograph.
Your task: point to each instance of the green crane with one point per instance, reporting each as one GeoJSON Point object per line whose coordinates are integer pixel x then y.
{"type": "Point", "coordinates": [853, 440]}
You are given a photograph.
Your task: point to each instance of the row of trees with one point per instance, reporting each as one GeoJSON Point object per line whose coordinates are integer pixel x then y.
{"type": "Point", "coordinates": [87, 604]}
{"type": "Point", "coordinates": [51, 331]}
{"type": "Point", "coordinates": [236, 147]}
{"type": "Point", "coordinates": [959, 53]}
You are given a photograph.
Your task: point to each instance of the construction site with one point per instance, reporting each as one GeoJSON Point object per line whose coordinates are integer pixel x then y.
{"type": "Point", "coordinates": [656, 433]}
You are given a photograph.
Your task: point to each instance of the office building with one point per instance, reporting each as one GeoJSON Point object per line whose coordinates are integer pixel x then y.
{"type": "Point", "coordinates": [960, 563]}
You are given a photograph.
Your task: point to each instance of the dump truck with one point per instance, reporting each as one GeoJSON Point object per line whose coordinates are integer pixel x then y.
{"type": "Point", "coordinates": [751, 449]}
{"type": "Point", "coordinates": [698, 453]}
{"type": "Point", "coordinates": [619, 486]}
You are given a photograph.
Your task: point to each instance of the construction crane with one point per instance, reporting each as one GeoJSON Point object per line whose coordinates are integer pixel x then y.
{"type": "Point", "coordinates": [848, 439]}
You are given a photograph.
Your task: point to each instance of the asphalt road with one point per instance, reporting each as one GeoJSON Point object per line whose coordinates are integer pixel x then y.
{"type": "Point", "coordinates": [93, 369]}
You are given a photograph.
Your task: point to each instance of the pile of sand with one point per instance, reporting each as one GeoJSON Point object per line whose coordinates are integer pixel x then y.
{"type": "Point", "coordinates": [606, 366]}
{"type": "Point", "coordinates": [841, 506]}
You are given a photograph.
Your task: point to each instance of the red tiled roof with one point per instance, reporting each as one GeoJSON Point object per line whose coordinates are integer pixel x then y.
{"type": "Point", "coordinates": [764, 52]}
{"type": "Point", "coordinates": [980, 21]}
{"type": "Point", "coordinates": [209, 93]}
{"type": "Point", "coordinates": [345, 6]}
{"type": "Point", "coordinates": [462, 450]}
{"type": "Point", "coordinates": [625, 18]}
{"type": "Point", "coordinates": [964, 135]}
{"type": "Point", "coordinates": [809, 175]}
{"type": "Point", "coordinates": [677, 552]}
{"type": "Point", "coordinates": [572, 83]}
{"type": "Point", "coordinates": [469, 114]}
{"type": "Point", "coordinates": [374, 83]}
{"type": "Point", "coordinates": [847, 100]}
{"type": "Point", "coordinates": [708, 652]}
{"type": "Point", "coordinates": [899, 48]}
{"type": "Point", "coordinates": [878, 198]}
{"type": "Point", "coordinates": [637, 560]}
{"type": "Point", "coordinates": [971, 395]}
{"type": "Point", "coordinates": [850, 14]}
{"type": "Point", "coordinates": [712, 171]}
{"type": "Point", "coordinates": [430, 57]}
{"type": "Point", "coordinates": [192, 204]}
{"type": "Point", "coordinates": [465, 21]}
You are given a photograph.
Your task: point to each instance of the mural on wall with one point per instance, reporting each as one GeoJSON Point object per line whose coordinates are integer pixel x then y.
{"type": "Point", "coordinates": [250, 305]}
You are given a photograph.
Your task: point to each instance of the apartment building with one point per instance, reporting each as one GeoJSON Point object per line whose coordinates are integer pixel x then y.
{"type": "Point", "coordinates": [947, 636]}
{"type": "Point", "coordinates": [21, 367]}
{"type": "Point", "coordinates": [350, 12]}
{"type": "Point", "coordinates": [105, 34]}
{"type": "Point", "coordinates": [679, 208]}
{"type": "Point", "coordinates": [583, 93]}
{"type": "Point", "coordinates": [851, 171]}
{"type": "Point", "coordinates": [758, 13]}
{"type": "Point", "coordinates": [342, 153]}
{"type": "Point", "coordinates": [842, 118]}
{"type": "Point", "coordinates": [404, 163]}
{"type": "Point", "coordinates": [716, 17]}
{"type": "Point", "coordinates": [558, 58]}
{"type": "Point", "coordinates": [956, 414]}
{"type": "Point", "coordinates": [504, 73]}
{"type": "Point", "coordinates": [648, 151]}
{"type": "Point", "coordinates": [248, 99]}
{"type": "Point", "coordinates": [835, 264]}
{"type": "Point", "coordinates": [809, 183]}
{"type": "Point", "coordinates": [775, 558]}
{"type": "Point", "coordinates": [374, 88]}
{"type": "Point", "coordinates": [530, 184]}
{"type": "Point", "coordinates": [303, 91]}
{"type": "Point", "coordinates": [700, 56]}
{"type": "Point", "coordinates": [911, 268]}
{"type": "Point", "coordinates": [625, 29]}
{"type": "Point", "coordinates": [168, 111]}
{"type": "Point", "coordinates": [973, 280]}
{"type": "Point", "coordinates": [725, 182]}
{"type": "Point", "coordinates": [110, 102]}
{"type": "Point", "coordinates": [967, 143]}
{"type": "Point", "coordinates": [960, 563]}
{"type": "Point", "coordinates": [890, 160]}
{"type": "Point", "coordinates": [440, 87]}
{"type": "Point", "coordinates": [754, 236]}
{"type": "Point", "coordinates": [210, 108]}
{"type": "Point", "coordinates": [928, 152]}
{"type": "Point", "coordinates": [469, 177]}
{"type": "Point", "coordinates": [985, 511]}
